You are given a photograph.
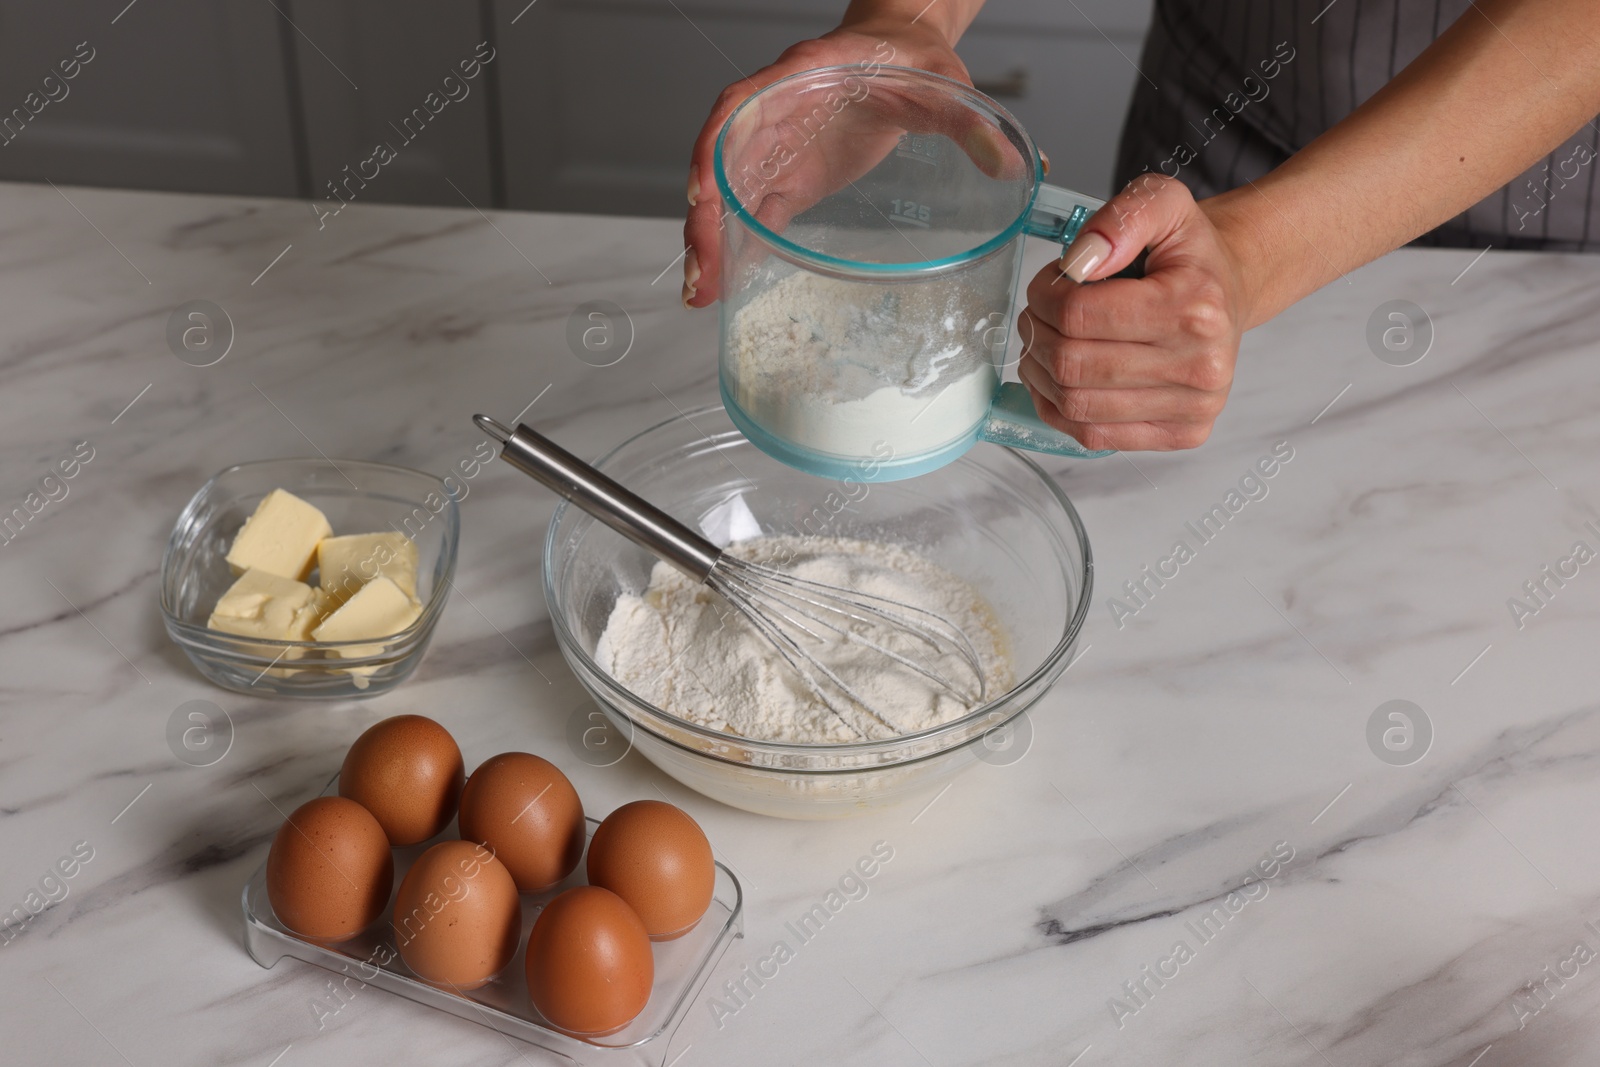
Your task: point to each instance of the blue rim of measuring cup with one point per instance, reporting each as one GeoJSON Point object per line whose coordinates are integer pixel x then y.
{"type": "Point", "coordinates": [800, 252]}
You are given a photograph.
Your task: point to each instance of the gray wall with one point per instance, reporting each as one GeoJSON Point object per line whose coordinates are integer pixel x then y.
{"type": "Point", "coordinates": [587, 105]}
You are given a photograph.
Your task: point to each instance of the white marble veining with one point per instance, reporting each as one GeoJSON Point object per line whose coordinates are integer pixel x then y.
{"type": "Point", "coordinates": [1226, 717]}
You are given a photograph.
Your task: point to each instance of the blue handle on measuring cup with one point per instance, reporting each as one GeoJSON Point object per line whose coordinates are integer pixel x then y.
{"type": "Point", "coordinates": [1013, 422]}
{"type": "Point", "coordinates": [1057, 215]}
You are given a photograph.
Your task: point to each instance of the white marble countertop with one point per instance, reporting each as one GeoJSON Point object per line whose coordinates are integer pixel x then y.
{"type": "Point", "coordinates": [1225, 719]}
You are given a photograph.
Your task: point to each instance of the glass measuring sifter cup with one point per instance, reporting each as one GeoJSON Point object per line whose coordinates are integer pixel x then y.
{"type": "Point", "coordinates": [870, 258]}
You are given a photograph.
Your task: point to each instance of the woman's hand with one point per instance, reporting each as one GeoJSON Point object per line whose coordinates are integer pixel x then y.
{"type": "Point", "coordinates": [883, 40]}
{"type": "Point", "coordinates": [1137, 363]}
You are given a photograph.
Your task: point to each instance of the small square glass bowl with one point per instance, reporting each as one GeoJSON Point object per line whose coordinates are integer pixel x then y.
{"type": "Point", "coordinates": [357, 497]}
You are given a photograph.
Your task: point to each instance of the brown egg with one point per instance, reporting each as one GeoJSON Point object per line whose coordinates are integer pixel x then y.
{"type": "Point", "coordinates": [330, 870]}
{"type": "Point", "coordinates": [457, 916]}
{"type": "Point", "coordinates": [589, 964]}
{"type": "Point", "coordinates": [524, 809]}
{"type": "Point", "coordinates": [407, 771]}
{"type": "Point", "coordinates": [657, 858]}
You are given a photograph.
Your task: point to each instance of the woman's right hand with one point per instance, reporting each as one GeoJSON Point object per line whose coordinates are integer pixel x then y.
{"type": "Point", "coordinates": [881, 40]}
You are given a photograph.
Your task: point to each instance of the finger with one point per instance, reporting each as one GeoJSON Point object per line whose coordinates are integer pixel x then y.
{"type": "Point", "coordinates": [1089, 437]}
{"type": "Point", "coordinates": [1077, 364]}
{"type": "Point", "coordinates": [1171, 404]}
{"type": "Point", "coordinates": [994, 153]}
{"type": "Point", "coordinates": [919, 111]}
{"type": "Point", "coordinates": [702, 227]}
{"type": "Point", "coordinates": [1123, 437]}
{"type": "Point", "coordinates": [1152, 210]}
{"type": "Point", "coordinates": [816, 168]}
{"type": "Point", "coordinates": [702, 243]}
{"type": "Point", "coordinates": [701, 238]}
{"type": "Point", "coordinates": [1118, 309]}
{"type": "Point", "coordinates": [1133, 436]}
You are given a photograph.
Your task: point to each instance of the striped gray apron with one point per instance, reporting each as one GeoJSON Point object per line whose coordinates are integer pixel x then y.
{"type": "Point", "coordinates": [1245, 83]}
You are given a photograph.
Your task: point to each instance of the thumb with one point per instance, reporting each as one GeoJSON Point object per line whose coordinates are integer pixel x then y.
{"type": "Point", "coordinates": [1151, 209]}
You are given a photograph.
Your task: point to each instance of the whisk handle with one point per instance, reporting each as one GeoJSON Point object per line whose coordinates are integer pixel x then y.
{"type": "Point", "coordinates": [625, 512]}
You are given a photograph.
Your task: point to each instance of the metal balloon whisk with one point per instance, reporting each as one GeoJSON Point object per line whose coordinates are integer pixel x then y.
{"type": "Point", "coordinates": [795, 615]}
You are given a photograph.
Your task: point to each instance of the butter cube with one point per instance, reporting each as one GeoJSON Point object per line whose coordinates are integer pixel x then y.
{"type": "Point", "coordinates": [379, 608]}
{"type": "Point", "coordinates": [260, 604]}
{"type": "Point", "coordinates": [280, 538]}
{"type": "Point", "coordinates": [347, 563]}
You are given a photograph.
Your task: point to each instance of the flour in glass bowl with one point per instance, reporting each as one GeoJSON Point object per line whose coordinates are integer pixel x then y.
{"type": "Point", "coordinates": [842, 367]}
{"type": "Point", "coordinates": [679, 646]}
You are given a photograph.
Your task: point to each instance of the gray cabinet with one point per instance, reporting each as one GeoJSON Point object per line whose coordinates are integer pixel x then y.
{"type": "Point", "coordinates": [586, 105]}
{"type": "Point", "coordinates": [189, 95]}
{"type": "Point", "coordinates": [394, 74]}
{"type": "Point", "coordinates": [603, 98]}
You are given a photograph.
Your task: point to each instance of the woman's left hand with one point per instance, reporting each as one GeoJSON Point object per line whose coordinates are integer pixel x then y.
{"type": "Point", "coordinates": [1137, 363]}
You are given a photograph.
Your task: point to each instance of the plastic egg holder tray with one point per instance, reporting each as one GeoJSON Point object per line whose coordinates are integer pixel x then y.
{"type": "Point", "coordinates": [372, 958]}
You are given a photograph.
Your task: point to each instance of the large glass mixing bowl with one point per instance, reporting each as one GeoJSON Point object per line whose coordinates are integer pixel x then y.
{"type": "Point", "coordinates": [992, 517]}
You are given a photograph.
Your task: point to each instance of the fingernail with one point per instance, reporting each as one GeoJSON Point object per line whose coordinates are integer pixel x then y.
{"type": "Point", "coordinates": [1087, 252]}
{"type": "Point", "coordinates": [691, 274]}
{"type": "Point", "coordinates": [694, 183]}
{"type": "Point", "coordinates": [1044, 162]}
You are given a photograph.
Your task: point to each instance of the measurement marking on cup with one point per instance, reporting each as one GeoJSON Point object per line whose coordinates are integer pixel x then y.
{"type": "Point", "coordinates": [910, 212]}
